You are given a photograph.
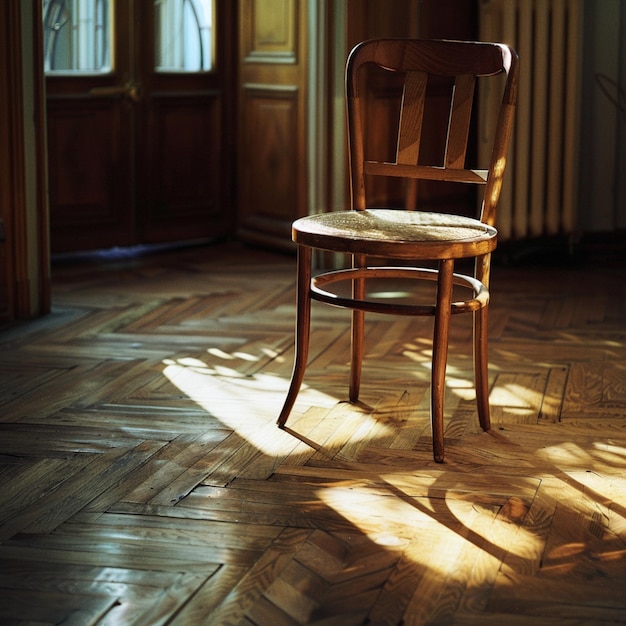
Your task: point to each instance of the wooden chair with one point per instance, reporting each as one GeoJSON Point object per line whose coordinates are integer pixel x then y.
{"type": "Point", "coordinates": [412, 236]}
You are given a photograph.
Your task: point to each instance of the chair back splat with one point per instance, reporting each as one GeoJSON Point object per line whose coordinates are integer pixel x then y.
{"type": "Point", "coordinates": [416, 245]}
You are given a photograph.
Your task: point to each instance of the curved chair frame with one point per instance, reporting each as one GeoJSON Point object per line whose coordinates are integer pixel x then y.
{"type": "Point", "coordinates": [412, 235]}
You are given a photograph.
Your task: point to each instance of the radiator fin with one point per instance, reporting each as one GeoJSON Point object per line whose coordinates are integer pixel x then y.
{"type": "Point", "coordinates": [540, 191]}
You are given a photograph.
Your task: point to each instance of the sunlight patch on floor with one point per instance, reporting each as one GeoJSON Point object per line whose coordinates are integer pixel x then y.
{"type": "Point", "coordinates": [392, 518]}
{"type": "Point", "coordinates": [226, 394]}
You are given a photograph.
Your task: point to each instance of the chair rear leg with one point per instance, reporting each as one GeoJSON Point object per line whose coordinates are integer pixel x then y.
{"type": "Point", "coordinates": [440, 354]}
{"type": "Point", "coordinates": [481, 367]}
{"type": "Point", "coordinates": [303, 330]}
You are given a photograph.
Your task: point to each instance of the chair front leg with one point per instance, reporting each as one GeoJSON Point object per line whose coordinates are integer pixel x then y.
{"type": "Point", "coordinates": [358, 324]}
{"type": "Point", "coordinates": [303, 330]}
{"type": "Point", "coordinates": [358, 331]}
{"type": "Point", "coordinates": [443, 314]}
{"type": "Point", "coordinates": [481, 367]}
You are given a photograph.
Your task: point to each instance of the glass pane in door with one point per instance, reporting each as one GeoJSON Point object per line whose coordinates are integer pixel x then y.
{"type": "Point", "coordinates": [77, 36]}
{"type": "Point", "coordinates": [183, 35]}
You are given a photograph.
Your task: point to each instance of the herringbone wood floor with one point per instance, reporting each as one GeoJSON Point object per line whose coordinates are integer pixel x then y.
{"type": "Point", "coordinates": [143, 479]}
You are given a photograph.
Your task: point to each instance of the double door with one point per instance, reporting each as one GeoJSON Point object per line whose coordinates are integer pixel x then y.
{"type": "Point", "coordinates": [139, 121]}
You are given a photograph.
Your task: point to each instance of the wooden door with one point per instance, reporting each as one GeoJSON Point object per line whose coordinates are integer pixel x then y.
{"type": "Point", "coordinates": [272, 159]}
{"type": "Point", "coordinates": [138, 139]}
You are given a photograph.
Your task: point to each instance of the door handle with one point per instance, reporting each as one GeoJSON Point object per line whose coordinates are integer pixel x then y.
{"type": "Point", "coordinates": [131, 90]}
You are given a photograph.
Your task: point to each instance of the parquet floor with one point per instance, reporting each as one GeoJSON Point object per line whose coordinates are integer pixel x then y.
{"type": "Point", "coordinates": [143, 479]}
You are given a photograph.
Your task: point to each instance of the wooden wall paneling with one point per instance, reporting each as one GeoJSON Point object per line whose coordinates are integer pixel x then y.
{"type": "Point", "coordinates": [272, 156]}
{"type": "Point", "coordinates": [270, 124]}
{"type": "Point", "coordinates": [448, 19]}
{"type": "Point", "coordinates": [452, 19]}
{"type": "Point", "coordinates": [370, 19]}
{"type": "Point", "coordinates": [271, 32]}
{"type": "Point", "coordinates": [445, 19]}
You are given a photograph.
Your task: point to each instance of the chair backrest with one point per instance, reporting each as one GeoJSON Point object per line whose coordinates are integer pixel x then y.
{"type": "Point", "coordinates": [418, 61]}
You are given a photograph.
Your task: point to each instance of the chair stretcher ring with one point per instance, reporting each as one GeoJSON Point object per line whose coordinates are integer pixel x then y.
{"type": "Point", "coordinates": [480, 299]}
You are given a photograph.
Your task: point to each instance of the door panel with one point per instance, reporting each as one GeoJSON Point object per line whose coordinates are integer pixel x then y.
{"type": "Point", "coordinates": [89, 173]}
{"type": "Point", "coordinates": [137, 151]}
{"type": "Point", "coordinates": [269, 181]}
{"type": "Point", "coordinates": [272, 162]}
{"type": "Point", "coordinates": [180, 183]}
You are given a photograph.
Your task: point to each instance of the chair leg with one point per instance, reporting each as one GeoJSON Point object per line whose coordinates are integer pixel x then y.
{"type": "Point", "coordinates": [440, 354]}
{"type": "Point", "coordinates": [481, 367]}
{"type": "Point", "coordinates": [303, 330]}
{"type": "Point", "coordinates": [358, 331]}
{"type": "Point", "coordinates": [358, 324]}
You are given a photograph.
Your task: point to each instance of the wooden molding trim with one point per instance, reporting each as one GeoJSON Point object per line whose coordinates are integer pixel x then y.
{"type": "Point", "coordinates": [41, 160]}
{"type": "Point", "coordinates": [11, 153]}
{"type": "Point", "coordinates": [24, 279]}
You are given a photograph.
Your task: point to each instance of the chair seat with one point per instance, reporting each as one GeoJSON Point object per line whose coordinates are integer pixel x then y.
{"type": "Point", "coordinates": [396, 234]}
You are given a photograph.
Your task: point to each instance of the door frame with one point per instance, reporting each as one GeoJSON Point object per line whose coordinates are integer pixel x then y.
{"type": "Point", "coordinates": [24, 249]}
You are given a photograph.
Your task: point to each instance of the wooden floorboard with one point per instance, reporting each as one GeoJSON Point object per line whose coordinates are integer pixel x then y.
{"type": "Point", "coordinates": [143, 479]}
